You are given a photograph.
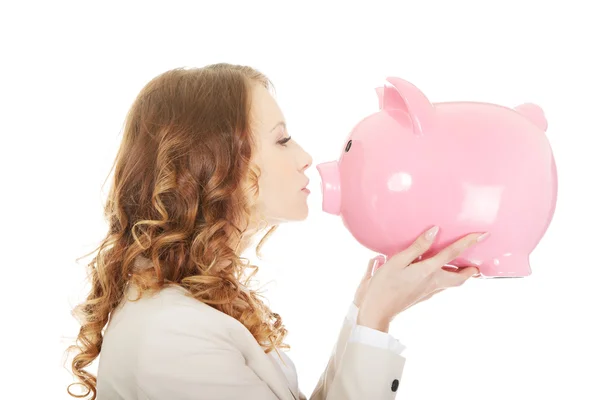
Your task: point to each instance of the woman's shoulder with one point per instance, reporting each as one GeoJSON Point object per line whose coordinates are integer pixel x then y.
{"type": "Point", "coordinates": [160, 331]}
{"type": "Point", "coordinates": [174, 306]}
{"type": "Point", "coordinates": [169, 322]}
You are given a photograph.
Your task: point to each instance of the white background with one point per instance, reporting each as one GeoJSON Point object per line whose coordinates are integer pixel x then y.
{"type": "Point", "coordinates": [70, 70]}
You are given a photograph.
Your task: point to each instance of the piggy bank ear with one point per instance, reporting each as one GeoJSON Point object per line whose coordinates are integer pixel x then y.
{"type": "Point", "coordinates": [379, 91]}
{"type": "Point", "coordinates": [398, 94]}
{"type": "Point", "coordinates": [534, 113]}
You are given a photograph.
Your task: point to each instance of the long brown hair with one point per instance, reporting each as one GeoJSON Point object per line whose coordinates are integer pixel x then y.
{"type": "Point", "coordinates": [182, 196]}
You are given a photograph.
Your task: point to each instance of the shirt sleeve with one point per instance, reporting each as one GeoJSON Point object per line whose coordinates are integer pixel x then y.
{"type": "Point", "coordinates": [372, 337]}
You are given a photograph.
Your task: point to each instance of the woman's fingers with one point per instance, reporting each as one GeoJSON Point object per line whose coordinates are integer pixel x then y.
{"type": "Point", "coordinates": [453, 251]}
{"type": "Point", "coordinates": [369, 271]}
{"type": "Point", "coordinates": [451, 278]}
{"type": "Point", "coordinates": [444, 278]}
{"type": "Point", "coordinates": [459, 277]}
{"type": "Point", "coordinates": [417, 248]}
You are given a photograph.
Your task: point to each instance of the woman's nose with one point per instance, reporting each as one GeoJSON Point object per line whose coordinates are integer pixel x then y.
{"type": "Point", "coordinates": [306, 160]}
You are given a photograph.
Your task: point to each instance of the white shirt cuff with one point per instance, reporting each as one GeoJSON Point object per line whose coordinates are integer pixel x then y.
{"type": "Point", "coordinates": [372, 337]}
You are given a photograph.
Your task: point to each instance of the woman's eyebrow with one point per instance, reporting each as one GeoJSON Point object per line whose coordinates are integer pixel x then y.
{"type": "Point", "coordinates": [280, 123]}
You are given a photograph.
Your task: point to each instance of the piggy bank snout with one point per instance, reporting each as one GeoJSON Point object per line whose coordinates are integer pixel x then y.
{"type": "Point", "coordinates": [330, 187]}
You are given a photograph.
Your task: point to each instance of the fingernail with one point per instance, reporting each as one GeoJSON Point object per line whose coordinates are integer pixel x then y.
{"type": "Point", "coordinates": [483, 237]}
{"type": "Point", "coordinates": [432, 232]}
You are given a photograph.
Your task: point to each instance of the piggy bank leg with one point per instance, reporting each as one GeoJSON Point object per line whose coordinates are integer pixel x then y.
{"type": "Point", "coordinates": [509, 266]}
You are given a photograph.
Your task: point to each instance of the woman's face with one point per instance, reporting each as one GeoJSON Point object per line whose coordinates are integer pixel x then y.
{"type": "Point", "coordinates": [282, 162]}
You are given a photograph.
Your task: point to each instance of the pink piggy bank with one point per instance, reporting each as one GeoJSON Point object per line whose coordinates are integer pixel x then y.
{"type": "Point", "coordinates": [464, 166]}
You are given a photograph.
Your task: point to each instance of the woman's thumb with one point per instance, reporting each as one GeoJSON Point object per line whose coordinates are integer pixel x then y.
{"type": "Point", "coordinates": [374, 264]}
{"type": "Point", "coordinates": [369, 271]}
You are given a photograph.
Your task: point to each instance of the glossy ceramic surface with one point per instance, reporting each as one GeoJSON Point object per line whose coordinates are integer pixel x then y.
{"type": "Point", "coordinates": [464, 166]}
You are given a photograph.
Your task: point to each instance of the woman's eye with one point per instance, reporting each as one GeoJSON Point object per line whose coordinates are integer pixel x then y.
{"type": "Point", "coordinates": [285, 140]}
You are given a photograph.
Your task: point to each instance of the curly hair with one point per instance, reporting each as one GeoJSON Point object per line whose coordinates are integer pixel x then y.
{"type": "Point", "coordinates": [183, 195]}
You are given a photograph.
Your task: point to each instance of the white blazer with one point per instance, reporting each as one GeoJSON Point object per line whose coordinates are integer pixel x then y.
{"type": "Point", "coordinates": [169, 346]}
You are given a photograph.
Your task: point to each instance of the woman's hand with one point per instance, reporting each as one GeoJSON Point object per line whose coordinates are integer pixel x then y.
{"type": "Point", "coordinates": [399, 283]}
{"type": "Point", "coordinates": [373, 265]}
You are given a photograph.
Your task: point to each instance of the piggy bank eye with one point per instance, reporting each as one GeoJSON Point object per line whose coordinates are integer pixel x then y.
{"type": "Point", "coordinates": [348, 145]}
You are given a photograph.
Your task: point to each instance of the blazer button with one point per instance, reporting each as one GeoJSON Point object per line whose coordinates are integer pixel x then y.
{"type": "Point", "coordinates": [395, 385]}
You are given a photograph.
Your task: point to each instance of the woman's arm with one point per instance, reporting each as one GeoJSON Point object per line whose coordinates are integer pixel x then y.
{"type": "Point", "coordinates": [365, 363]}
{"type": "Point", "coordinates": [366, 372]}
{"type": "Point", "coordinates": [327, 377]}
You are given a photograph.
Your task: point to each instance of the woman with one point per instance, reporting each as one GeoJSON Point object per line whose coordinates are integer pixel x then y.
{"type": "Point", "coordinates": [205, 164]}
